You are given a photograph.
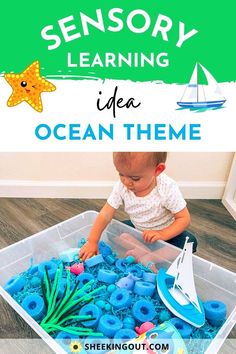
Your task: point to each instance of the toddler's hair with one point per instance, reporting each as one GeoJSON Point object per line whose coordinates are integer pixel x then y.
{"type": "Point", "coordinates": [149, 158]}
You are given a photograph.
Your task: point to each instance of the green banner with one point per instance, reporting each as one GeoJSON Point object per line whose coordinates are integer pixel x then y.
{"type": "Point", "coordinates": [134, 40]}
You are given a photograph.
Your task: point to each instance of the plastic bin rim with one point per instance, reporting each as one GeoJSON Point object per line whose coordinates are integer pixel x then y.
{"type": "Point", "coordinates": [49, 228]}
{"type": "Point", "coordinates": [115, 221]}
{"type": "Point", "coordinates": [36, 327]}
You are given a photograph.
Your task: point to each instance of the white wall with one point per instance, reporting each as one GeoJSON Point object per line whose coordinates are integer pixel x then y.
{"type": "Point", "coordinates": [91, 175]}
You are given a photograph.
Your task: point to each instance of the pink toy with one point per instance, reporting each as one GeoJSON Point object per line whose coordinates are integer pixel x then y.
{"type": "Point", "coordinates": [76, 268]}
{"type": "Point", "coordinates": [146, 326]}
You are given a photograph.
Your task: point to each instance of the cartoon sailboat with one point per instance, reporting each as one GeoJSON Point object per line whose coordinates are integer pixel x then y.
{"type": "Point", "coordinates": [177, 289]}
{"type": "Point", "coordinates": [202, 96]}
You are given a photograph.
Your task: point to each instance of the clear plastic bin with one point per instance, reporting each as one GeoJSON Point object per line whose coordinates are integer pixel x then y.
{"type": "Point", "coordinates": [212, 281]}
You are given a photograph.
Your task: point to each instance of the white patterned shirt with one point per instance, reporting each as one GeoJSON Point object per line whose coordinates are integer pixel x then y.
{"type": "Point", "coordinates": [154, 211]}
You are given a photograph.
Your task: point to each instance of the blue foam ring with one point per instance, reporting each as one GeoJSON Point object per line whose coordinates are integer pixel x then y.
{"type": "Point", "coordinates": [91, 262]}
{"type": "Point", "coordinates": [15, 284]}
{"type": "Point", "coordinates": [215, 312]}
{"type": "Point", "coordinates": [109, 325]}
{"type": "Point", "coordinates": [129, 322]}
{"type": "Point", "coordinates": [125, 333]}
{"type": "Point", "coordinates": [120, 298]}
{"type": "Point", "coordinates": [65, 339]}
{"type": "Point", "coordinates": [143, 311]}
{"type": "Point", "coordinates": [110, 259]}
{"type": "Point", "coordinates": [150, 277]}
{"type": "Point", "coordinates": [34, 305]}
{"type": "Point", "coordinates": [93, 311]}
{"type": "Point", "coordinates": [107, 276]}
{"type": "Point", "coordinates": [91, 344]}
{"type": "Point", "coordinates": [33, 269]}
{"type": "Point", "coordinates": [120, 264]}
{"type": "Point", "coordinates": [183, 327]}
{"type": "Point", "coordinates": [104, 249]}
{"type": "Point", "coordinates": [84, 278]}
{"type": "Point", "coordinates": [51, 267]}
{"type": "Point", "coordinates": [135, 270]}
{"type": "Point", "coordinates": [144, 288]}
{"type": "Point", "coordinates": [66, 336]}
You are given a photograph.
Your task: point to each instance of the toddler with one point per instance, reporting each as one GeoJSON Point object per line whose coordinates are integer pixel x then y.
{"type": "Point", "coordinates": [152, 200]}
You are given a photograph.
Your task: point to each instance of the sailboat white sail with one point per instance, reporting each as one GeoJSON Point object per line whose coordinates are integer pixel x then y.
{"type": "Point", "coordinates": [177, 289]}
{"type": "Point", "coordinates": [190, 93]}
{"type": "Point", "coordinates": [185, 280]}
{"type": "Point", "coordinates": [182, 270]}
{"type": "Point", "coordinates": [212, 90]}
{"type": "Point", "coordinates": [173, 269]}
{"type": "Point", "coordinates": [198, 96]}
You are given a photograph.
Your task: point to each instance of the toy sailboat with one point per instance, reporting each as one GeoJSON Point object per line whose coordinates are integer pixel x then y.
{"type": "Point", "coordinates": [177, 289]}
{"type": "Point", "coordinates": [202, 96]}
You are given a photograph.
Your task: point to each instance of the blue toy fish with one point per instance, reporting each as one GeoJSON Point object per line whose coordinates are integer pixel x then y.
{"type": "Point", "coordinates": [127, 282]}
{"type": "Point", "coordinates": [164, 337]}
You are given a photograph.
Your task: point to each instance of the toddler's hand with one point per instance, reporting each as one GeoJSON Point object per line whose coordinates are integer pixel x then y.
{"type": "Point", "coordinates": [88, 250]}
{"type": "Point", "coordinates": [151, 236]}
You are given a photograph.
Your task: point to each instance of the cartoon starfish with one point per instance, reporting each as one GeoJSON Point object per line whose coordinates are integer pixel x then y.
{"type": "Point", "coordinates": [28, 87]}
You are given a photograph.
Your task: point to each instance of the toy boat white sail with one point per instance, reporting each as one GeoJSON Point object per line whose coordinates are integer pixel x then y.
{"type": "Point", "coordinates": [202, 96]}
{"type": "Point", "coordinates": [177, 289]}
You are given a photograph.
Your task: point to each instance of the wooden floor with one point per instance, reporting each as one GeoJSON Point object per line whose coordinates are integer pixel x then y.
{"type": "Point", "coordinates": [20, 218]}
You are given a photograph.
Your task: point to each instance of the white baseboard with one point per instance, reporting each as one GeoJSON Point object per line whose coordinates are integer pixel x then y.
{"type": "Point", "coordinates": [202, 190]}
{"type": "Point", "coordinates": [95, 189]}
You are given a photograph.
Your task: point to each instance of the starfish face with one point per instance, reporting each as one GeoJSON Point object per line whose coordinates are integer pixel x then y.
{"type": "Point", "coordinates": [28, 87]}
